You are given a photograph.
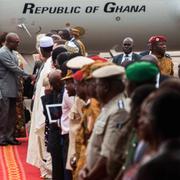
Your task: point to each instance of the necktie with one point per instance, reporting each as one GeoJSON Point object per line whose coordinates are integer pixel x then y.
{"type": "Point", "coordinates": [125, 61]}
{"type": "Point", "coordinates": [126, 57]}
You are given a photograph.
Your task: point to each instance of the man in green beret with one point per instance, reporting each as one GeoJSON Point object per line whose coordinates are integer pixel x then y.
{"type": "Point", "coordinates": [139, 73]}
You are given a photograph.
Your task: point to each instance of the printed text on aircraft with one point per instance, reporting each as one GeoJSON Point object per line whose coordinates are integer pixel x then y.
{"type": "Point", "coordinates": [109, 7]}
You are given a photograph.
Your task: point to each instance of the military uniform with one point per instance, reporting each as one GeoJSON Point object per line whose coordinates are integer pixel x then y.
{"type": "Point", "coordinates": [76, 33]}
{"type": "Point", "coordinates": [165, 63]}
{"type": "Point", "coordinates": [76, 113]}
{"type": "Point", "coordinates": [107, 136]}
{"type": "Point", "coordinates": [75, 119]}
{"type": "Point", "coordinates": [90, 112]}
{"type": "Point", "coordinates": [82, 49]}
{"type": "Point", "coordinates": [166, 66]}
{"type": "Point", "coordinates": [129, 151]}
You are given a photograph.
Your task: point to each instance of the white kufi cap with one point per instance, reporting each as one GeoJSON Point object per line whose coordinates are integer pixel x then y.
{"type": "Point", "coordinates": [46, 41]}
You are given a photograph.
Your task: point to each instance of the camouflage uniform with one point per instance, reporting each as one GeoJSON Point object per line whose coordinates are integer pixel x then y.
{"type": "Point", "coordinates": [166, 66]}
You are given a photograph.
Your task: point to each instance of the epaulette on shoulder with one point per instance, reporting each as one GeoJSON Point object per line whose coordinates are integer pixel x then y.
{"type": "Point", "coordinates": [121, 104]}
{"type": "Point", "coordinates": [168, 56]}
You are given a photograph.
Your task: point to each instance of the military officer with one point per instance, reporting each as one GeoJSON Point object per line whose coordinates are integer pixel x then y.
{"type": "Point", "coordinates": [158, 48]}
{"type": "Point", "coordinates": [106, 145]}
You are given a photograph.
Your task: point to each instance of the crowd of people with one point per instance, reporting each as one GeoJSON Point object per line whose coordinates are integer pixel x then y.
{"type": "Point", "coordinates": [91, 117]}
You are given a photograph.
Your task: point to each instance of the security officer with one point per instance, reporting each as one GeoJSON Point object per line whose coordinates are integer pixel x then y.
{"type": "Point", "coordinates": [158, 48]}
{"type": "Point", "coordinates": [75, 114]}
{"type": "Point", "coordinates": [107, 142]}
{"type": "Point", "coordinates": [148, 51]}
{"type": "Point", "coordinates": [128, 55]}
{"type": "Point", "coordinates": [138, 75]}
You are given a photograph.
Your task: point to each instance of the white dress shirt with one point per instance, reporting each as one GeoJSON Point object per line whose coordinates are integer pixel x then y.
{"type": "Point", "coordinates": [66, 107]}
{"type": "Point", "coordinates": [127, 57]}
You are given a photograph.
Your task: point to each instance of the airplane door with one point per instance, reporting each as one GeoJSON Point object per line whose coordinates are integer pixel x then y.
{"type": "Point", "coordinates": [12, 20]}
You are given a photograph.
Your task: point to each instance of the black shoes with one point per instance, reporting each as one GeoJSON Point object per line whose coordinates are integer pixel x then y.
{"type": "Point", "coordinates": [3, 143]}
{"type": "Point", "coordinates": [13, 142]}
{"type": "Point", "coordinates": [10, 142]}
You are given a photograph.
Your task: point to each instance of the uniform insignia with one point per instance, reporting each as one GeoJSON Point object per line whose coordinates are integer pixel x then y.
{"type": "Point", "coordinates": [121, 104]}
{"type": "Point", "coordinates": [168, 56]}
{"type": "Point", "coordinates": [119, 125]}
{"type": "Point", "coordinates": [157, 39]}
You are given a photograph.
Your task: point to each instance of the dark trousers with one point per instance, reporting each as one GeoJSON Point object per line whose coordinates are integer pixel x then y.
{"type": "Point", "coordinates": [59, 158]}
{"type": "Point", "coordinates": [57, 167]}
{"type": "Point", "coordinates": [58, 148]}
{"type": "Point", "coordinates": [65, 145]}
{"type": "Point", "coordinates": [55, 149]}
{"type": "Point", "coordinates": [7, 118]}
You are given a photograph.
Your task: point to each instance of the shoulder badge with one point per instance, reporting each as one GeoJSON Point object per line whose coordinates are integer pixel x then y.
{"type": "Point", "coordinates": [168, 56]}
{"type": "Point", "coordinates": [121, 104]}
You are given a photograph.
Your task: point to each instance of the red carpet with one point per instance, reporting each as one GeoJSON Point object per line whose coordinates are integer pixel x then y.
{"type": "Point", "coordinates": [13, 164]}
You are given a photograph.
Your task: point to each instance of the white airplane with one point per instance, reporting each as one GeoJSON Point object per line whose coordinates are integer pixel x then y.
{"type": "Point", "coordinates": [106, 22]}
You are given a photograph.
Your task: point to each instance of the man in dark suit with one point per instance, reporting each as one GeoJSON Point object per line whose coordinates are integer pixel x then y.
{"type": "Point", "coordinates": [9, 72]}
{"type": "Point", "coordinates": [128, 55]}
{"type": "Point", "coordinates": [52, 131]}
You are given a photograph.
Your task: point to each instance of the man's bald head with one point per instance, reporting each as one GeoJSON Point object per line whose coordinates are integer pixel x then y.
{"type": "Point", "coordinates": [12, 41]}
{"type": "Point", "coordinates": [129, 39]}
{"type": "Point", "coordinates": [54, 74]}
{"type": "Point", "coordinates": [11, 36]}
{"type": "Point", "coordinates": [55, 79]}
{"type": "Point", "coordinates": [127, 45]}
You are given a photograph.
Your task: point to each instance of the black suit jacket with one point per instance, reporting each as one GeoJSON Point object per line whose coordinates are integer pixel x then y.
{"type": "Point", "coordinates": [52, 131]}
{"type": "Point", "coordinates": [144, 53]}
{"type": "Point", "coordinates": [118, 59]}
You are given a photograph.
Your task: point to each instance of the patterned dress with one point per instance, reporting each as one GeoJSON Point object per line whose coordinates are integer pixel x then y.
{"type": "Point", "coordinates": [20, 116]}
{"type": "Point", "coordinates": [90, 112]}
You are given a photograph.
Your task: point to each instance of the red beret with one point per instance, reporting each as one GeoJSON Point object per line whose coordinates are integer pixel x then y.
{"type": "Point", "coordinates": [78, 76]}
{"type": "Point", "coordinates": [157, 38]}
{"type": "Point", "coordinates": [98, 58]}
